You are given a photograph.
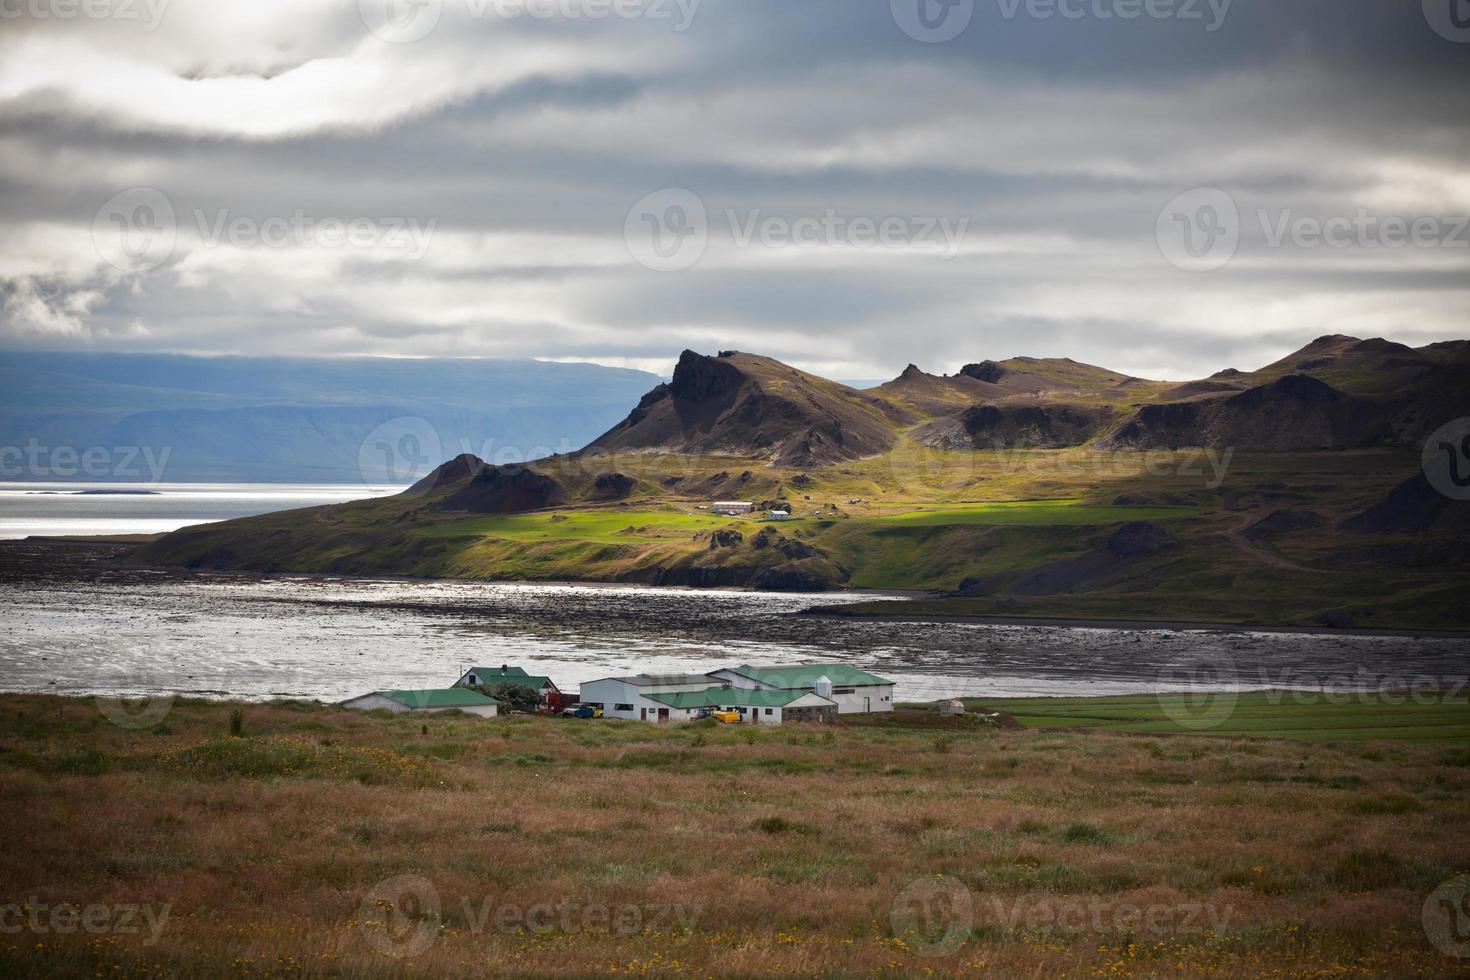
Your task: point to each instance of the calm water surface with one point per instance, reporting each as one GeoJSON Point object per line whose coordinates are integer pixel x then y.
{"type": "Point", "coordinates": [141, 632]}
{"type": "Point", "coordinates": [51, 509]}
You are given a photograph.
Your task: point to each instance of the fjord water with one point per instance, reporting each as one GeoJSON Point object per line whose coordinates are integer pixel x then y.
{"type": "Point", "coordinates": [131, 632]}
{"type": "Point", "coordinates": [59, 509]}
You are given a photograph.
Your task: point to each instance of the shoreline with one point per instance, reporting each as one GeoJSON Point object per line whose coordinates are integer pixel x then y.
{"type": "Point", "coordinates": [1151, 625]}
{"type": "Point", "coordinates": [816, 611]}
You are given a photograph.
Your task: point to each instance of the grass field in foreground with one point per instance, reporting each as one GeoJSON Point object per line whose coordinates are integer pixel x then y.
{"type": "Point", "coordinates": [1424, 716]}
{"type": "Point", "coordinates": [324, 843]}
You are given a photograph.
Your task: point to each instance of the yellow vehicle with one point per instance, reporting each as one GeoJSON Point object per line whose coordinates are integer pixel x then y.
{"type": "Point", "coordinates": [726, 717]}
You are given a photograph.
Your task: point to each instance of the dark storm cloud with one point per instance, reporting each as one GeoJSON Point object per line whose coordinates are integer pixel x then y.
{"type": "Point", "coordinates": [517, 148]}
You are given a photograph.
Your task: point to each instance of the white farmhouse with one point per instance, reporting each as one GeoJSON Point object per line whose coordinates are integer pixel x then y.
{"type": "Point", "coordinates": [855, 691]}
{"type": "Point", "coordinates": [733, 508]}
{"type": "Point", "coordinates": [632, 697]}
{"type": "Point", "coordinates": [426, 702]}
{"type": "Point", "coordinates": [761, 695]}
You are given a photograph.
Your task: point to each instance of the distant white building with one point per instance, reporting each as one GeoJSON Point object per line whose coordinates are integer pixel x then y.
{"type": "Point", "coordinates": [734, 508]}
{"type": "Point", "coordinates": [426, 702]}
{"type": "Point", "coordinates": [761, 695]}
{"type": "Point", "coordinates": [779, 515]}
{"type": "Point", "coordinates": [855, 691]}
{"type": "Point", "coordinates": [633, 698]}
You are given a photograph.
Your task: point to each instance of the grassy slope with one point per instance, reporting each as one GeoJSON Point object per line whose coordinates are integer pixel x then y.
{"type": "Point", "coordinates": [1424, 716]}
{"type": "Point", "coordinates": [1310, 859]}
{"type": "Point", "coordinates": [924, 520]}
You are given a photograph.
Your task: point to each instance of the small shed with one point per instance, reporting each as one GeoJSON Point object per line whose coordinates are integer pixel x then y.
{"type": "Point", "coordinates": [426, 702]}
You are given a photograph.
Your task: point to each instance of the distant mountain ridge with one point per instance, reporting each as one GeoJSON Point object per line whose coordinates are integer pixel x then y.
{"type": "Point", "coordinates": [1336, 393]}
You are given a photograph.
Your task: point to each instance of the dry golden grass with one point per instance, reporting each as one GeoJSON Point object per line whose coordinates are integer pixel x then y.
{"type": "Point", "coordinates": [326, 843]}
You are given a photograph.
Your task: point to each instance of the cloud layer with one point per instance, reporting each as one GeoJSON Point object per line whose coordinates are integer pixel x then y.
{"type": "Point", "coordinates": [459, 177]}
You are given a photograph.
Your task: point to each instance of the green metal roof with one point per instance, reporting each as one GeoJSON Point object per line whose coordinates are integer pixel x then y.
{"type": "Point", "coordinates": [804, 676]}
{"type": "Point", "coordinates": [458, 697]}
{"type": "Point", "coordinates": [720, 697]}
{"type": "Point", "coordinates": [490, 676]}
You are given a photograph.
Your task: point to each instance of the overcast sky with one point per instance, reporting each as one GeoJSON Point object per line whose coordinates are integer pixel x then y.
{"type": "Point", "coordinates": [848, 185]}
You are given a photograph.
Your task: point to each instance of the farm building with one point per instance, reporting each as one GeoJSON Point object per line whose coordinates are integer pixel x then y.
{"type": "Point", "coordinates": [733, 508]}
{"type": "Point", "coordinates": [633, 697]}
{"type": "Point", "coordinates": [762, 695]}
{"type": "Point", "coordinates": [427, 702]}
{"type": "Point", "coordinates": [547, 692]}
{"type": "Point", "coordinates": [754, 707]}
{"type": "Point", "coordinates": [855, 691]}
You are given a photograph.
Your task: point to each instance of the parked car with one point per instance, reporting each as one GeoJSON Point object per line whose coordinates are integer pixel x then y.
{"type": "Point", "coordinates": [582, 711]}
{"type": "Point", "coordinates": [723, 717]}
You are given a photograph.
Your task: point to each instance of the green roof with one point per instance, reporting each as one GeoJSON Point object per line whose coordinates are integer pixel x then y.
{"type": "Point", "coordinates": [719, 697]}
{"type": "Point", "coordinates": [804, 676]}
{"type": "Point", "coordinates": [458, 697]}
{"type": "Point", "coordinates": [490, 676]}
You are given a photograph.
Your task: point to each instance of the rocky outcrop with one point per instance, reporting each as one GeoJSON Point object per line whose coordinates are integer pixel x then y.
{"type": "Point", "coordinates": [743, 405]}
{"type": "Point", "coordinates": [1014, 427]}
{"type": "Point", "coordinates": [1295, 413]}
{"type": "Point", "coordinates": [475, 487]}
{"type": "Point", "coordinates": [613, 486]}
{"type": "Point", "coordinates": [1412, 507]}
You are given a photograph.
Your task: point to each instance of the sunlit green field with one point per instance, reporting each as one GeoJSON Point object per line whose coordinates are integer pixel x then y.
{"type": "Point", "coordinates": [1411, 715]}
{"type": "Point", "coordinates": [1040, 513]}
